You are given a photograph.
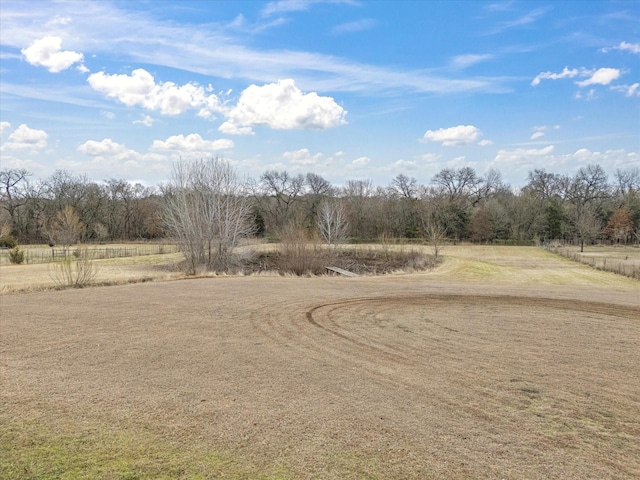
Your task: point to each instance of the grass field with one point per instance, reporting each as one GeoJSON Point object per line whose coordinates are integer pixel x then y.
{"type": "Point", "coordinates": [504, 362]}
{"type": "Point", "coordinates": [620, 259]}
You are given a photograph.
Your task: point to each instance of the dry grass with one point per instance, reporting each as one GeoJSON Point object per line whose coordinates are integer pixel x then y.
{"type": "Point", "coordinates": [506, 362]}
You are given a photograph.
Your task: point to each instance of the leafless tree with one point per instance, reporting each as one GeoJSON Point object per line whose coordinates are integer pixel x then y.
{"type": "Point", "coordinates": [627, 180]}
{"type": "Point", "coordinates": [277, 194]}
{"type": "Point", "coordinates": [207, 212]}
{"type": "Point", "coordinates": [65, 228]}
{"type": "Point", "coordinates": [12, 191]}
{"type": "Point", "coordinates": [332, 221]}
{"type": "Point", "coordinates": [435, 234]}
{"type": "Point", "coordinates": [587, 225]}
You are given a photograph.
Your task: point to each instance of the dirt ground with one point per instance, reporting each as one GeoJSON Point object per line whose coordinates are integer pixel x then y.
{"type": "Point", "coordinates": [505, 363]}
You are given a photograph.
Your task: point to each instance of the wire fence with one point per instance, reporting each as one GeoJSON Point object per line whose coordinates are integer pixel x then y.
{"type": "Point", "coordinates": [34, 255]}
{"type": "Point", "coordinates": [628, 266]}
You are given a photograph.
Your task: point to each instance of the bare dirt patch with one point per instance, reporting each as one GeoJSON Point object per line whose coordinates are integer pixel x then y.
{"type": "Point", "coordinates": [434, 375]}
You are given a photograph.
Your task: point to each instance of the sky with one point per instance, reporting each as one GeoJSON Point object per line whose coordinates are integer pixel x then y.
{"type": "Point", "coordinates": [346, 89]}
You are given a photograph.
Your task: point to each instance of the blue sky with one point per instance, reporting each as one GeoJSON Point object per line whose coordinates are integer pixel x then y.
{"type": "Point", "coordinates": [346, 89]}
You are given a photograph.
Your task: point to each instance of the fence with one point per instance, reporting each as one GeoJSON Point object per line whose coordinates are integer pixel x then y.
{"type": "Point", "coordinates": [48, 255]}
{"type": "Point", "coordinates": [628, 267]}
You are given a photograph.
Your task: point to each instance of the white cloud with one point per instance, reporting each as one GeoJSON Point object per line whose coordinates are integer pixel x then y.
{"type": "Point", "coordinates": [302, 157]}
{"type": "Point", "coordinates": [191, 143]}
{"type": "Point", "coordinates": [361, 162]}
{"type": "Point", "coordinates": [283, 106]}
{"type": "Point", "coordinates": [519, 154]}
{"type": "Point", "coordinates": [453, 136]}
{"type": "Point", "coordinates": [231, 129]}
{"type": "Point", "coordinates": [537, 134]}
{"type": "Point", "coordinates": [485, 142]}
{"type": "Point", "coordinates": [287, 6]}
{"type": "Point", "coordinates": [464, 61]}
{"type": "Point", "coordinates": [104, 147]}
{"type": "Point", "coordinates": [353, 27]}
{"type": "Point", "coordinates": [46, 52]}
{"type": "Point", "coordinates": [140, 89]}
{"type": "Point", "coordinates": [25, 138]}
{"type": "Point", "coordinates": [628, 90]}
{"type": "Point", "coordinates": [405, 164]}
{"type": "Point", "coordinates": [566, 73]}
{"type": "Point", "coordinates": [107, 114]}
{"type": "Point", "coordinates": [4, 126]}
{"type": "Point", "coordinates": [625, 47]}
{"type": "Point", "coordinates": [146, 120]}
{"type": "Point", "coordinates": [430, 157]}
{"type": "Point", "coordinates": [602, 76]}
{"type": "Point", "coordinates": [217, 50]}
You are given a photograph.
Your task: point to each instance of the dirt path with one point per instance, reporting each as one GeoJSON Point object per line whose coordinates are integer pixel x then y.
{"type": "Point", "coordinates": [451, 374]}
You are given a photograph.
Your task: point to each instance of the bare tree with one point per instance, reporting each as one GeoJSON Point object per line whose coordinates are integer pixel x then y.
{"type": "Point", "coordinates": [627, 180]}
{"type": "Point", "coordinates": [435, 234]}
{"type": "Point", "coordinates": [332, 221]}
{"type": "Point", "coordinates": [65, 228]}
{"type": "Point", "coordinates": [279, 192]}
{"type": "Point", "coordinates": [587, 224]}
{"type": "Point", "coordinates": [207, 212]}
{"type": "Point", "coordinates": [12, 192]}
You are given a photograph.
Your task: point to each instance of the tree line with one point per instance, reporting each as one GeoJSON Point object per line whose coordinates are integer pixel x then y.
{"type": "Point", "coordinates": [209, 197]}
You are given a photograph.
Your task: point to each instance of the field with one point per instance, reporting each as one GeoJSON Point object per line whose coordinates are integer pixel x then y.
{"type": "Point", "coordinates": [620, 259]}
{"type": "Point", "coordinates": [504, 362]}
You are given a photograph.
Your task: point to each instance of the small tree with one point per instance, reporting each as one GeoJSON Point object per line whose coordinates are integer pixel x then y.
{"type": "Point", "coordinates": [588, 226]}
{"type": "Point", "coordinates": [206, 211]}
{"type": "Point", "coordinates": [332, 221]}
{"type": "Point", "coordinates": [620, 225]}
{"type": "Point", "coordinates": [435, 234]}
{"type": "Point", "coordinates": [65, 228]}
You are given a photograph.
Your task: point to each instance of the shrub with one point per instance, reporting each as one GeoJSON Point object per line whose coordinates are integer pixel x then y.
{"type": "Point", "coordinates": [74, 273]}
{"type": "Point", "coordinates": [16, 256]}
{"type": "Point", "coordinates": [302, 255]}
{"type": "Point", "coordinates": [8, 242]}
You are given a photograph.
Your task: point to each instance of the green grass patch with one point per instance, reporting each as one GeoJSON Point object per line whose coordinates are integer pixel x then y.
{"type": "Point", "coordinates": [34, 450]}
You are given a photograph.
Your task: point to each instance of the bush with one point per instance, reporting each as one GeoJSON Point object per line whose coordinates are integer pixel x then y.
{"type": "Point", "coordinates": [302, 255]}
{"type": "Point", "coordinates": [8, 242]}
{"type": "Point", "coordinates": [74, 273]}
{"type": "Point", "coordinates": [16, 256]}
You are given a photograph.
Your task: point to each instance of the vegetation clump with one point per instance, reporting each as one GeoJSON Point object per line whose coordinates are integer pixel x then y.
{"type": "Point", "coordinates": [16, 255]}
{"type": "Point", "coordinates": [8, 242]}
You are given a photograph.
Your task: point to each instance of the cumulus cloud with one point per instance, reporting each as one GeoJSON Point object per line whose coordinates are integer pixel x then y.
{"type": "Point", "coordinates": [232, 129]}
{"type": "Point", "coordinates": [602, 76]}
{"type": "Point", "coordinates": [146, 120]}
{"type": "Point", "coordinates": [283, 106]}
{"type": "Point", "coordinates": [191, 143]}
{"type": "Point", "coordinates": [47, 52]}
{"type": "Point", "coordinates": [453, 136]}
{"type": "Point", "coordinates": [566, 73]}
{"type": "Point", "coordinates": [625, 47]}
{"type": "Point", "coordinates": [302, 157]}
{"type": "Point", "coordinates": [25, 138]}
{"type": "Point", "coordinates": [141, 89]}
{"type": "Point", "coordinates": [361, 162]}
{"type": "Point", "coordinates": [104, 147]}
{"type": "Point", "coordinates": [4, 126]}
